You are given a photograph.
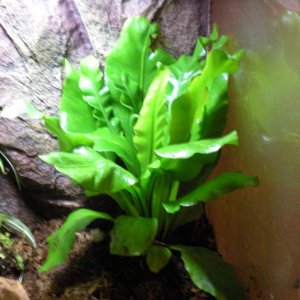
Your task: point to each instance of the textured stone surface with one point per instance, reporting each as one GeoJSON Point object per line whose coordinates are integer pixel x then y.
{"type": "Point", "coordinates": [35, 36]}
{"type": "Point", "coordinates": [12, 290]}
{"type": "Point", "coordinates": [12, 203]}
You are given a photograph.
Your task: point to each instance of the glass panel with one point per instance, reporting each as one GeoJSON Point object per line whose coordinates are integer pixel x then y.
{"type": "Point", "coordinates": [259, 229]}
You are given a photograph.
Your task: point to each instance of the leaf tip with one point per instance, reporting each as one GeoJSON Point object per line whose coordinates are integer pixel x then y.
{"type": "Point", "coordinates": [44, 157]}
{"type": "Point", "coordinates": [171, 208]}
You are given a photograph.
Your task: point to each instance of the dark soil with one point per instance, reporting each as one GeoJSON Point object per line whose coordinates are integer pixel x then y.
{"type": "Point", "coordinates": [92, 273]}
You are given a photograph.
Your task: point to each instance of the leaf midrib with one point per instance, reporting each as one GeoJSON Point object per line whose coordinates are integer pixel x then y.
{"type": "Point", "coordinates": [142, 68]}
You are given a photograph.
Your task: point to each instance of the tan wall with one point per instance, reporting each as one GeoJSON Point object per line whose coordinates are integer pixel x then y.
{"type": "Point", "coordinates": [259, 229]}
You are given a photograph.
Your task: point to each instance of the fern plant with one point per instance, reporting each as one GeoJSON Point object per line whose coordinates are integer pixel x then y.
{"type": "Point", "coordinates": [148, 133]}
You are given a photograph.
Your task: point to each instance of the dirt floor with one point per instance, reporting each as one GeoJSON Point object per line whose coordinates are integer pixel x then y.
{"type": "Point", "coordinates": [92, 273]}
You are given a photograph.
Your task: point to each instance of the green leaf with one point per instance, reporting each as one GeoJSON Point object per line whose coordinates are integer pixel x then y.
{"type": "Point", "coordinates": [204, 42]}
{"type": "Point", "coordinates": [101, 140]}
{"type": "Point", "coordinates": [215, 111]}
{"type": "Point", "coordinates": [218, 62]}
{"type": "Point", "coordinates": [188, 169]}
{"type": "Point", "coordinates": [132, 236]}
{"type": "Point", "coordinates": [95, 93]}
{"type": "Point", "coordinates": [17, 226]}
{"type": "Point", "coordinates": [157, 257]}
{"type": "Point", "coordinates": [182, 72]}
{"type": "Point", "coordinates": [181, 123]}
{"type": "Point", "coordinates": [151, 127]}
{"type": "Point", "coordinates": [93, 172]}
{"type": "Point", "coordinates": [76, 115]}
{"type": "Point", "coordinates": [61, 242]}
{"type": "Point", "coordinates": [131, 65]}
{"type": "Point", "coordinates": [67, 141]}
{"type": "Point", "coordinates": [126, 118]}
{"type": "Point", "coordinates": [194, 97]}
{"type": "Point", "coordinates": [90, 81]}
{"type": "Point", "coordinates": [219, 44]}
{"type": "Point", "coordinates": [212, 189]}
{"type": "Point", "coordinates": [107, 141]}
{"type": "Point", "coordinates": [19, 108]}
{"type": "Point", "coordinates": [187, 150]}
{"type": "Point", "coordinates": [163, 57]}
{"type": "Point", "coordinates": [210, 273]}
{"type": "Point", "coordinates": [212, 38]}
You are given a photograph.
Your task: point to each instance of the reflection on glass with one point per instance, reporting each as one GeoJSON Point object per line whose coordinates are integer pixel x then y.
{"type": "Point", "coordinates": [259, 229]}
